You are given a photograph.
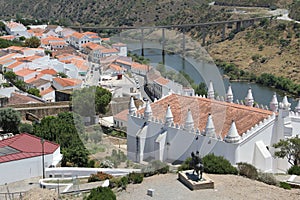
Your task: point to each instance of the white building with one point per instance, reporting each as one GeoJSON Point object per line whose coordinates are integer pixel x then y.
{"type": "Point", "coordinates": [171, 128]}
{"type": "Point", "coordinates": [16, 29]}
{"type": "Point", "coordinates": [21, 157]}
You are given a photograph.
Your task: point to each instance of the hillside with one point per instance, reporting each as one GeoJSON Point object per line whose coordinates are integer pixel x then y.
{"type": "Point", "coordinates": [270, 47]}
{"type": "Point", "coordinates": [295, 10]}
{"type": "Point", "coordinates": [113, 12]}
{"type": "Point", "coordinates": [259, 3]}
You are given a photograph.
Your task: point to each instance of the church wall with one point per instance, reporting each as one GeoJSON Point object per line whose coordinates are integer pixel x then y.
{"type": "Point", "coordinates": [264, 133]}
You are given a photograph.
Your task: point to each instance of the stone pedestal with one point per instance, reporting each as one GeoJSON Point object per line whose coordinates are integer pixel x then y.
{"type": "Point", "coordinates": [192, 181]}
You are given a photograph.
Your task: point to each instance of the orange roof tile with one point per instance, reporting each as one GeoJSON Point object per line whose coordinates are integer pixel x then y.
{"type": "Point", "coordinates": [222, 113]}
{"type": "Point", "coordinates": [80, 63]}
{"type": "Point", "coordinates": [106, 50]}
{"type": "Point", "coordinates": [77, 35]}
{"type": "Point", "coordinates": [105, 39]}
{"type": "Point", "coordinates": [49, 71]}
{"type": "Point", "coordinates": [162, 81]}
{"type": "Point", "coordinates": [93, 46]}
{"type": "Point", "coordinates": [67, 81]}
{"type": "Point", "coordinates": [24, 72]}
{"type": "Point", "coordinates": [8, 37]}
{"type": "Point", "coordinates": [139, 66]}
{"type": "Point", "coordinates": [46, 91]}
{"type": "Point", "coordinates": [124, 62]}
{"type": "Point", "coordinates": [16, 48]}
{"type": "Point", "coordinates": [122, 115]}
{"type": "Point", "coordinates": [90, 33]}
{"type": "Point", "coordinates": [7, 56]}
{"type": "Point", "coordinates": [38, 76]}
{"type": "Point", "coordinates": [14, 65]}
{"type": "Point", "coordinates": [115, 67]}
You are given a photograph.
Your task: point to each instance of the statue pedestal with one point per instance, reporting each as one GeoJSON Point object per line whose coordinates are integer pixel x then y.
{"type": "Point", "coordinates": [192, 181]}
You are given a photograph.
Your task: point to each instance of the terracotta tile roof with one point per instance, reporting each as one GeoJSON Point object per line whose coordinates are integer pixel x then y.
{"type": "Point", "coordinates": [94, 36]}
{"type": "Point", "coordinates": [115, 67]}
{"type": "Point", "coordinates": [90, 33]}
{"type": "Point", "coordinates": [77, 35]}
{"type": "Point", "coordinates": [16, 48]}
{"type": "Point", "coordinates": [64, 82]}
{"type": "Point", "coordinates": [39, 82]}
{"type": "Point", "coordinates": [64, 56]}
{"type": "Point", "coordinates": [7, 56]}
{"type": "Point", "coordinates": [17, 98]}
{"type": "Point", "coordinates": [162, 81]}
{"type": "Point", "coordinates": [112, 50]}
{"type": "Point", "coordinates": [139, 66]}
{"type": "Point", "coordinates": [24, 146]}
{"type": "Point", "coordinates": [124, 62]}
{"type": "Point", "coordinates": [52, 40]}
{"type": "Point", "coordinates": [122, 115]}
{"type": "Point", "coordinates": [14, 65]}
{"type": "Point", "coordinates": [8, 37]}
{"type": "Point", "coordinates": [29, 58]}
{"type": "Point", "coordinates": [80, 64]}
{"type": "Point", "coordinates": [119, 44]}
{"type": "Point", "coordinates": [49, 71]}
{"type": "Point", "coordinates": [93, 46]}
{"type": "Point", "coordinates": [36, 77]}
{"type": "Point", "coordinates": [47, 91]}
{"type": "Point", "coordinates": [12, 25]}
{"type": "Point", "coordinates": [222, 113]}
{"type": "Point", "coordinates": [105, 39]}
{"type": "Point", "coordinates": [24, 72]}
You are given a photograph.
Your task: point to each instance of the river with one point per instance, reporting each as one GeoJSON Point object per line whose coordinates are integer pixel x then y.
{"type": "Point", "coordinates": [204, 72]}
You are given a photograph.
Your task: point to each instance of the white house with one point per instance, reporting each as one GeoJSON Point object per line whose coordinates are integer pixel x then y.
{"type": "Point", "coordinates": [66, 83]}
{"type": "Point", "coordinates": [21, 157]}
{"type": "Point", "coordinates": [121, 47]}
{"type": "Point", "coordinates": [16, 29]}
{"type": "Point", "coordinates": [171, 128]}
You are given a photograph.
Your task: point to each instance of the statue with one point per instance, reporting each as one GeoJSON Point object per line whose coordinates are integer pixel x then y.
{"type": "Point", "coordinates": [197, 164]}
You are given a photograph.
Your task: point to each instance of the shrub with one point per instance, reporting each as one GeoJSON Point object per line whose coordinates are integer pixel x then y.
{"type": "Point", "coordinates": [217, 165]}
{"type": "Point", "coordinates": [100, 176]}
{"type": "Point", "coordinates": [285, 185]}
{"type": "Point", "coordinates": [155, 167]}
{"type": "Point", "coordinates": [294, 170]}
{"type": "Point", "coordinates": [135, 178]}
{"type": "Point", "coordinates": [101, 193]}
{"type": "Point", "coordinates": [267, 178]}
{"type": "Point", "coordinates": [185, 165]}
{"type": "Point", "coordinates": [247, 170]}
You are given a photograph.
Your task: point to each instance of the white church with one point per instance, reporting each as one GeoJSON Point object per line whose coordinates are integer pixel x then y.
{"type": "Point", "coordinates": [170, 128]}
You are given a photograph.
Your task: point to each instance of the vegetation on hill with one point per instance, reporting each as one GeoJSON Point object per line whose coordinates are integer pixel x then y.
{"type": "Point", "coordinates": [295, 10]}
{"type": "Point", "coordinates": [113, 12]}
{"type": "Point", "coordinates": [271, 47]}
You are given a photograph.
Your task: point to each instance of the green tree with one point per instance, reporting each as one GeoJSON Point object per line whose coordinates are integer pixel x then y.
{"type": "Point", "coordinates": [62, 75]}
{"type": "Point", "coordinates": [9, 75]}
{"type": "Point", "coordinates": [101, 193]}
{"type": "Point", "coordinates": [25, 128]}
{"type": "Point", "coordinates": [290, 149]}
{"type": "Point", "coordinates": [9, 120]}
{"type": "Point", "coordinates": [200, 89]}
{"type": "Point", "coordinates": [32, 42]}
{"type": "Point", "coordinates": [34, 92]}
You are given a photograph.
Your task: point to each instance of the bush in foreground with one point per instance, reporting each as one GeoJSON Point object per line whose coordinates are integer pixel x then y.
{"type": "Point", "coordinates": [101, 193]}
{"type": "Point", "coordinates": [247, 170]}
{"type": "Point", "coordinates": [155, 167]}
{"type": "Point", "coordinates": [135, 178]}
{"type": "Point", "coordinates": [285, 185]}
{"type": "Point", "coordinates": [267, 178]}
{"type": "Point", "coordinates": [294, 170]}
{"type": "Point", "coordinates": [217, 165]}
{"type": "Point", "coordinates": [100, 176]}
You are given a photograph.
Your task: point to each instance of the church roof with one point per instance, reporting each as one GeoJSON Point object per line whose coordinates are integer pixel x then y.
{"type": "Point", "coordinates": [222, 113]}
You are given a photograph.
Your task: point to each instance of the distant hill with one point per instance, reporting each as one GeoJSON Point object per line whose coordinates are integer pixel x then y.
{"type": "Point", "coordinates": [113, 12]}
{"type": "Point", "coordinates": [295, 10]}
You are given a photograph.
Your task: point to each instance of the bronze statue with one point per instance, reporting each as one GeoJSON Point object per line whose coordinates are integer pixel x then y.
{"type": "Point", "coordinates": [197, 164]}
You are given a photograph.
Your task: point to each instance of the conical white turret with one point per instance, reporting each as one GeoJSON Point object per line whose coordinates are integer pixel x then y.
{"type": "Point", "coordinates": [189, 122]}
{"type": "Point", "coordinates": [148, 111]}
{"type": "Point", "coordinates": [274, 103]}
{"type": "Point", "coordinates": [210, 91]}
{"type": "Point", "coordinates": [232, 135]}
{"type": "Point", "coordinates": [249, 101]}
{"type": "Point", "coordinates": [229, 95]}
{"type": "Point", "coordinates": [210, 127]}
{"type": "Point", "coordinates": [297, 108]}
{"type": "Point", "coordinates": [132, 108]}
{"type": "Point", "coordinates": [169, 116]}
{"type": "Point", "coordinates": [285, 104]}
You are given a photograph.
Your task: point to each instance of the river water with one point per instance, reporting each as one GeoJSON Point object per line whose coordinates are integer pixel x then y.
{"type": "Point", "coordinates": [204, 72]}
